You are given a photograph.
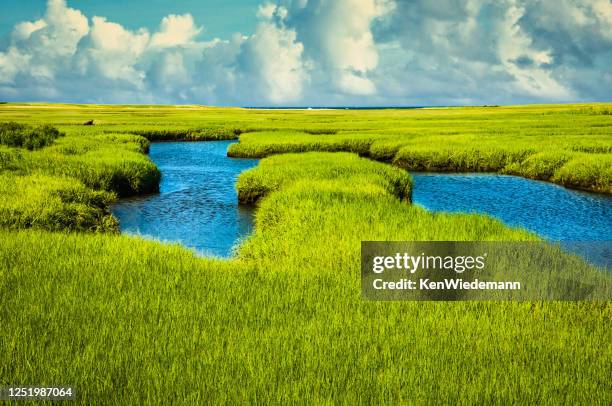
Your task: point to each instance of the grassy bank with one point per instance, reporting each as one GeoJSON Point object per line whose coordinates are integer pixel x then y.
{"type": "Point", "coordinates": [571, 147]}
{"type": "Point", "coordinates": [132, 321]}
{"type": "Point", "coordinates": [566, 144]}
{"type": "Point", "coordinates": [71, 182]}
{"type": "Point", "coordinates": [342, 168]}
{"type": "Point", "coordinates": [127, 320]}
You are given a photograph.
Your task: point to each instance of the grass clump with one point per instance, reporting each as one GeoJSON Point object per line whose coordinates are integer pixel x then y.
{"type": "Point", "coordinates": [474, 159]}
{"type": "Point", "coordinates": [262, 144]}
{"type": "Point", "coordinates": [338, 200]}
{"type": "Point", "coordinates": [112, 163]}
{"type": "Point", "coordinates": [14, 134]}
{"type": "Point", "coordinates": [70, 185]}
{"type": "Point", "coordinates": [588, 172]}
{"type": "Point", "coordinates": [124, 172]}
{"type": "Point", "coordinates": [11, 159]}
{"type": "Point", "coordinates": [541, 165]}
{"type": "Point", "coordinates": [51, 203]}
{"type": "Point", "coordinates": [274, 172]}
{"type": "Point", "coordinates": [319, 131]}
{"type": "Point", "coordinates": [190, 134]}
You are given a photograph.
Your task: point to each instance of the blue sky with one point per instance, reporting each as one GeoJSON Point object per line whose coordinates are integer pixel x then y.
{"type": "Point", "coordinates": [219, 18]}
{"type": "Point", "coordinates": [306, 52]}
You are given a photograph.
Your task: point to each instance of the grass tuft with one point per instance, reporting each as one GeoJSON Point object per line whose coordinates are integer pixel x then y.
{"type": "Point", "coordinates": [197, 134]}
{"type": "Point", "coordinates": [13, 134]}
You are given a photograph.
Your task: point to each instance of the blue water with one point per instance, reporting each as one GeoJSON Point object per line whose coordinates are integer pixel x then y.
{"type": "Point", "coordinates": [197, 204]}
{"type": "Point", "coordinates": [551, 211]}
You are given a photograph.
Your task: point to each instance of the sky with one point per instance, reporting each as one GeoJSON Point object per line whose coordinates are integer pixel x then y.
{"type": "Point", "coordinates": [218, 19]}
{"type": "Point", "coordinates": [306, 52]}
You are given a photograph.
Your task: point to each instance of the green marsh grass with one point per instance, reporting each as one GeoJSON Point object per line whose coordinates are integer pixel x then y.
{"type": "Point", "coordinates": [15, 134]}
{"type": "Point", "coordinates": [132, 321]}
{"type": "Point", "coordinates": [112, 162]}
{"type": "Point", "coordinates": [540, 142]}
{"type": "Point", "coordinates": [53, 203]}
{"type": "Point", "coordinates": [188, 134]}
{"type": "Point", "coordinates": [70, 184]}
{"type": "Point", "coordinates": [274, 172]}
{"type": "Point", "coordinates": [127, 320]}
{"type": "Point", "coordinates": [571, 161]}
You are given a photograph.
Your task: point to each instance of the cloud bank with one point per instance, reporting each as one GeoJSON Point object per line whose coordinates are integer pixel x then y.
{"type": "Point", "coordinates": [322, 52]}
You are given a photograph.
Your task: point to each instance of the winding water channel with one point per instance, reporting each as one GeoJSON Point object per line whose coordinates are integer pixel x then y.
{"type": "Point", "coordinates": [197, 204]}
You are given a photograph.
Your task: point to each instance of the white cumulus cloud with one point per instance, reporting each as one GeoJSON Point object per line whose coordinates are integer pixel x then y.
{"type": "Point", "coordinates": [338, 39]}
{"type": "Point", "coordinates": [273, 61]}
{"type": "Point", "coordinates": [176, 30]}
{"type": "Point", "coordinates": [321, 52]}
{"type": "Point", "coordinates": [114, 51]}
